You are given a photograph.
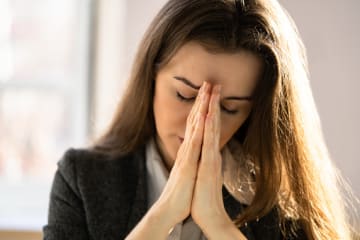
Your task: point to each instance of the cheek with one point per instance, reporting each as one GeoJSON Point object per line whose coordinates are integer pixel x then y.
{"type": "Point", "coordinates": [170, 114]}
{"type": "Point", "coordinates": [229, 125]}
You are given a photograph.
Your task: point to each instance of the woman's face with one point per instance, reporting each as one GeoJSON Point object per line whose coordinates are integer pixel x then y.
{"type": "Point", "coordinates": [177, 84]}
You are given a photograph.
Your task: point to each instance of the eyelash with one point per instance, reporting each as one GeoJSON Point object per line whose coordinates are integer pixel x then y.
{"type": "Point", "coordinates": [184, 99]}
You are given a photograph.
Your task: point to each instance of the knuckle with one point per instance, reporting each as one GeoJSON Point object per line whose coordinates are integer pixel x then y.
{"type": "Point", "coordinates": [205, 178]}
{"type": "Point", "coordinates": [195, 142]}
{"type": "Point", "coordinates": [189, 120]}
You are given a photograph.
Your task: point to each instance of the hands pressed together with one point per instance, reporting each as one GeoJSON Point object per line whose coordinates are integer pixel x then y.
{"type": "Point", "coordinates": [195, 182]}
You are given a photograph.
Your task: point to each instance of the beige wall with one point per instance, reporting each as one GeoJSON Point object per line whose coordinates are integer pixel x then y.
{"type": "Point", "coordinates": [20, 235]}
{"type": "Point", "coordinates": [331, 32]}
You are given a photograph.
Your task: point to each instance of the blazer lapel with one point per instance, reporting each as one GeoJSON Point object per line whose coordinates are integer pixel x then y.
{"type": "Point", "coordinates": [139, 206]}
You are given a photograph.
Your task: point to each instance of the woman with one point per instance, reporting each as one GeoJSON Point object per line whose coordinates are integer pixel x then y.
{"type": "Point", "coordinates": [216, 137]}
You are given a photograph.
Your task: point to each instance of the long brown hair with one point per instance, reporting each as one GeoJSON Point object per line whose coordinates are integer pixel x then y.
{"type": "Point", "coordinates": [282, 134]}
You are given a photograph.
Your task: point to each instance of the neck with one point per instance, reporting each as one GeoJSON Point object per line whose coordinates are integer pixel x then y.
{"type": "Point", "coordinates": [163, 154]}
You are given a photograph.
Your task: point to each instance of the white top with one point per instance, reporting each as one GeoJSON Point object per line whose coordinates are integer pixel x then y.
{"type": "Point", "coordinates": [234, 164]}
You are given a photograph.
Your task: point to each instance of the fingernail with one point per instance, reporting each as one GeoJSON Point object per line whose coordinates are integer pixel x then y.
{"type": "Point", "coordinates": [206, 89]}
{"type": "Point", "coordinates": [218, 92]}
{"type": "Point", "coordinates": [201, 90]}
{"type": "Point", "coordinates": [218, 88]}
{"type": "Point", "coordinates": [205, 86]}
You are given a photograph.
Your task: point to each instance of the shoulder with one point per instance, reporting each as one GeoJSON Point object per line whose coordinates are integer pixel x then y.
{"type": "Point", "coordinates": [268, 227]}
{"type": "Point", "coordinates": [87, 160]}
{"type": "Point", "coordinates": [88, 168]}
{"type": "Point", "coordinates": [94, 192]}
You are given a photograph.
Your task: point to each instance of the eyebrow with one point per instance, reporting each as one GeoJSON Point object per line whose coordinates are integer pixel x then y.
{"type": "Point", "coordinates": [187, 82]}
{"type": "Point", "coordinates": [196, 87]}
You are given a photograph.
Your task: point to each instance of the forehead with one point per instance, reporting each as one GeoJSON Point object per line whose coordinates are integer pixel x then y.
{"type": "Point", "coordinates": [234, 71]}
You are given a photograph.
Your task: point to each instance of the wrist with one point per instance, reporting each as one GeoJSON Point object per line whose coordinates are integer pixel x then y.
{"type": "Point", "coordinates": [150, 227]}
{"type": "Point", "coordinates": [157, 217]}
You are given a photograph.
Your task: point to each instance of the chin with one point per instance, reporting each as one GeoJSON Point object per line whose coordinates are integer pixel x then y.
{"type": "Point", "coordinates": [173, 153]}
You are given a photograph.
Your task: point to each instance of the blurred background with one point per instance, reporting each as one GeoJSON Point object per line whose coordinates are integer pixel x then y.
{"type": "Point", "coordinates": [63, 65]}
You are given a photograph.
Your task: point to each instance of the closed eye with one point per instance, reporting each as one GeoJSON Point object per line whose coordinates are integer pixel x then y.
{"type": "Point", "coordinates": [232, 112]}
{"type": "Point", "coordinates": [191, 99]}
{"type": "Point", "coordinates": [185, 99]}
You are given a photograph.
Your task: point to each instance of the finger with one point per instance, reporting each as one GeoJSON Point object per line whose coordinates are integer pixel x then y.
{"type": "Point", "coordinates": [195, 125]}
{"type": "Point", "coordinates": [212, 124]}
{"type": "Point", "coordinates": [210, 164]}
{"type": "Point", "coordinates": [214, 111]}
{"type": "Point", "coordinates": [216, 147]}
{"type": "Point", "coordinates": [193, 115]}
{"type": "Point", "coordinates": [191, 147]}
{"type": "Point", "coordinates": [198, 99]}
{"type": "Point", "coordinates": [217, 120]}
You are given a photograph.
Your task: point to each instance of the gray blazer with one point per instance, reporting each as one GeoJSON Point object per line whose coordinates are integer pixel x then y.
{"type": "Point", "coordinates": [97, 197]}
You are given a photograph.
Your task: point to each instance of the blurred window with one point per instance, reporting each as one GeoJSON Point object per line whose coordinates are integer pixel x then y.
{"type": "Point", "coordinates": [44, 49]}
